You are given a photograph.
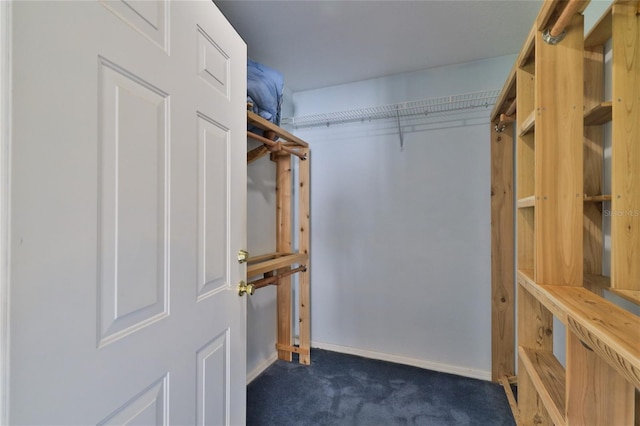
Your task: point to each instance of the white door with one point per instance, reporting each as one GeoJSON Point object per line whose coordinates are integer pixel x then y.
{"type": "Point", "coordinates": [128, 209]}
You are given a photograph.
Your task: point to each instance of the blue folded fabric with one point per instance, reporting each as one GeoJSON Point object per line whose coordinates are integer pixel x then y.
{"type": "Point", "coordinates": [264, 89]}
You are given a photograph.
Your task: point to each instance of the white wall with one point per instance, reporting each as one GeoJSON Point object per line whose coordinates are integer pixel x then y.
{"type": "Point", "coordinates": [400, 240]}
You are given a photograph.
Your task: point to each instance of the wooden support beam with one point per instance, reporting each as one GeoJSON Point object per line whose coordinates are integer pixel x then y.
{"type": "Point", "coordinates": [283, 244]}
{"type": "Point", "coordinates": [255, 120]}
{"type": "Point", "coordinates": [272, 262]}
{"type": "Point", "coordinates": [274, 279]}
{"type": "Point", "coordinates": [275, 146]}
{"type": "Point", "coordinates": [559, 159]}
{"type": "Point", "coordinates": [304, 243]}
{"type": "Point", "coordinates": [535, 333]}
{"type": "Point", "coordinates": [596, 393]}
{"type": "Point", "coordinates": [502, 249]}
{"type": "Point", "coordinates": [625, 164]}
{"type": "Point", "coordinates": [293, 349]}
{"type": "Point", "coordinates": [593, 160]}
{"type": "Point", "coordinates": [257, 153]}
{"type": "Point", "coordinates": [506, 382]}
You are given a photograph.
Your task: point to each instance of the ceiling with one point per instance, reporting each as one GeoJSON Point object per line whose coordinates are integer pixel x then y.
{"type": "Point", "coordinates": [319, 43]}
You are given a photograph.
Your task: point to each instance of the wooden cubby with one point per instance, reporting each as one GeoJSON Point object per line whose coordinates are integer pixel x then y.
{"type": "Point", "coordinates": [277, 268]}
{"type": "Point", "coordinates": [560, 207]}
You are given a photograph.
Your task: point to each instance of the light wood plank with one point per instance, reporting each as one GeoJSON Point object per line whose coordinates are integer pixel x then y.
{"type": "Point", "coordinates": [600, 32]}
{"type": "Point", "coordinates": [527, 52]}
{"type": "Point", "coordinates": [507, 93]}
{"type": "Point", "coordinates": [535, 332]}
{"type": "Point", "coordinates": [598, 114]}
{"type": "Point", "coordinates": [293, 349]}
{"type": "Point", "coordinates": [283, 244]}
{"type": "Point", "coordinates": [304, 243]}
{"type": "Point", "coordinates": [559, 158]}
{"type": "Point", "coordinates": [548, 377]}
{"type": "Point", "coordinates": [257, 121]}
{"type": "Point", "coordinates": [528, 124]}
{"type": "Point", "coordinates": [502, 254]}
{"type": "Point", "coordinates": [596, 198]}
{"type": "Point", "coordinates": [593, 153]}
{"type": "Point", "coordinates": [506, 381]}
{"type": "Point", "coordinates": [526, 202]}
{"type": "Point", "coordinates": [525, 279]}
{"type": "Point", "coordinates": [596, 393]}
{"type": "Point", "coordinates": [257, 153]}
{"type": "Point", "coordinates": [625, 206]}
{"type": "Point", "coordinates": [526, 238]}
{"type": "Point", "coordinates": [273, 262]}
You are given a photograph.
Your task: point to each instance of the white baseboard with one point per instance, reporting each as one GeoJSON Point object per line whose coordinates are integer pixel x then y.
{"type": "Point", "coordinates": [261, 367]}
{"type": "Point", "coordinates": [428, 365]}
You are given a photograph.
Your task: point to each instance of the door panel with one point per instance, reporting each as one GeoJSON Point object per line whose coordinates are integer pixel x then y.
{"type": "Point", "coordinates": [128, 202]}
{"type": "Point", "coordinates": [133, 202]}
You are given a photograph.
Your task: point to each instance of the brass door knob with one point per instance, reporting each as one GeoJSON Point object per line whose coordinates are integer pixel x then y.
{"type": "Point", "coordinates": [244, 288]}
{"type": "Point", "coordinates": [243, 256]}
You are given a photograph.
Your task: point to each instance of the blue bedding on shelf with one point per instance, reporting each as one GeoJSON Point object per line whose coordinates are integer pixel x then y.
{"type": "Point", "coordinates": [264, 90]}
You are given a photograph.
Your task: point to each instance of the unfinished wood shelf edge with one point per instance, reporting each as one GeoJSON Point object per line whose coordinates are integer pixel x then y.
{"type": "Point", "coordinates": [506, 382]}
{"type": "Point", "coordinates": [277, 268]}
{"type": "Point", "coordinates": [597, 198]}
{"type": "Point", "coordinates": [271, 262]}
{"type": "Point", "coordinates": [599, 114]}
{"type": "Point", "coordinates": [548, 377]}
{"type": "Point", "coordinates": [528, 123]}
{"type": "Point", "coordinates": [525, 202]}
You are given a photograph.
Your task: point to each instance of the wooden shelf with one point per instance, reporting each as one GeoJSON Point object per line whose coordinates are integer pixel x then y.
{"type": "Point", "coordinates": [257, 121]}
{"type": "Point", "coordinates": [527, 202]}
{"type": "Point", "coordinates": [606, 328]}
{"type": "Point", "coordinates": [596, 283]}
{"type": "Point", "coordinates": [273, 261]}
{"type": "Point", "coordinates": [597, 198]}
{"type": "Point", "coordinates": [600, 114]}
{"type": "Point", "coordinates": [548, 377]}
{"type": "Point", "coordinates": [528, 124]}
{"type": "Point", "coordinates": [632, 296]}
{"type": "Point", "coordinates": [601, 31]}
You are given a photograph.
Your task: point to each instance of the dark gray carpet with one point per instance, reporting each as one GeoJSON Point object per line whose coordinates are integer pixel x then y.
{"type": "Point", "coordinates": [339, 389]}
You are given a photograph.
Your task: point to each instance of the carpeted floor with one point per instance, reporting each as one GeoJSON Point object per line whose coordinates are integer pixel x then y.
{"type": "Point", "coordinates": [338, 389]}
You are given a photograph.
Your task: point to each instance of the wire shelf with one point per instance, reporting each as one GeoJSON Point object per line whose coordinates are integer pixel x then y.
{"type": "Point", "coordinates": [427, 108]}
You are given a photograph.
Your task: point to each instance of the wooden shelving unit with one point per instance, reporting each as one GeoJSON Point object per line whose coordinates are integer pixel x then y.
{"type": "Point", "coordinates": [559, 215]}
{"type": "Point", "coordinates": [278, 267]}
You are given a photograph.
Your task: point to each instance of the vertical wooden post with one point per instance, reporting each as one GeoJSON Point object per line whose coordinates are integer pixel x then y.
{"type": "Point", "coordinates": [502, 249]}
{"type": "Point", "coordinates": [558, 158]}
{"type": "Point", "coordinates": [593, 161]}
{"type": "Point", "coordinates": [304, 233]}
{"type": "Point", "coordinates": [525, 159]}
{"type": "Point", "coordinates": [625, 204]}
{"type": "Point", "coordinates": [283, 245]}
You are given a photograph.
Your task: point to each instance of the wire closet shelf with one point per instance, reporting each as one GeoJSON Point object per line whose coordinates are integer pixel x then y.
{"type": "Point", "coordinates": [427, 108]}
